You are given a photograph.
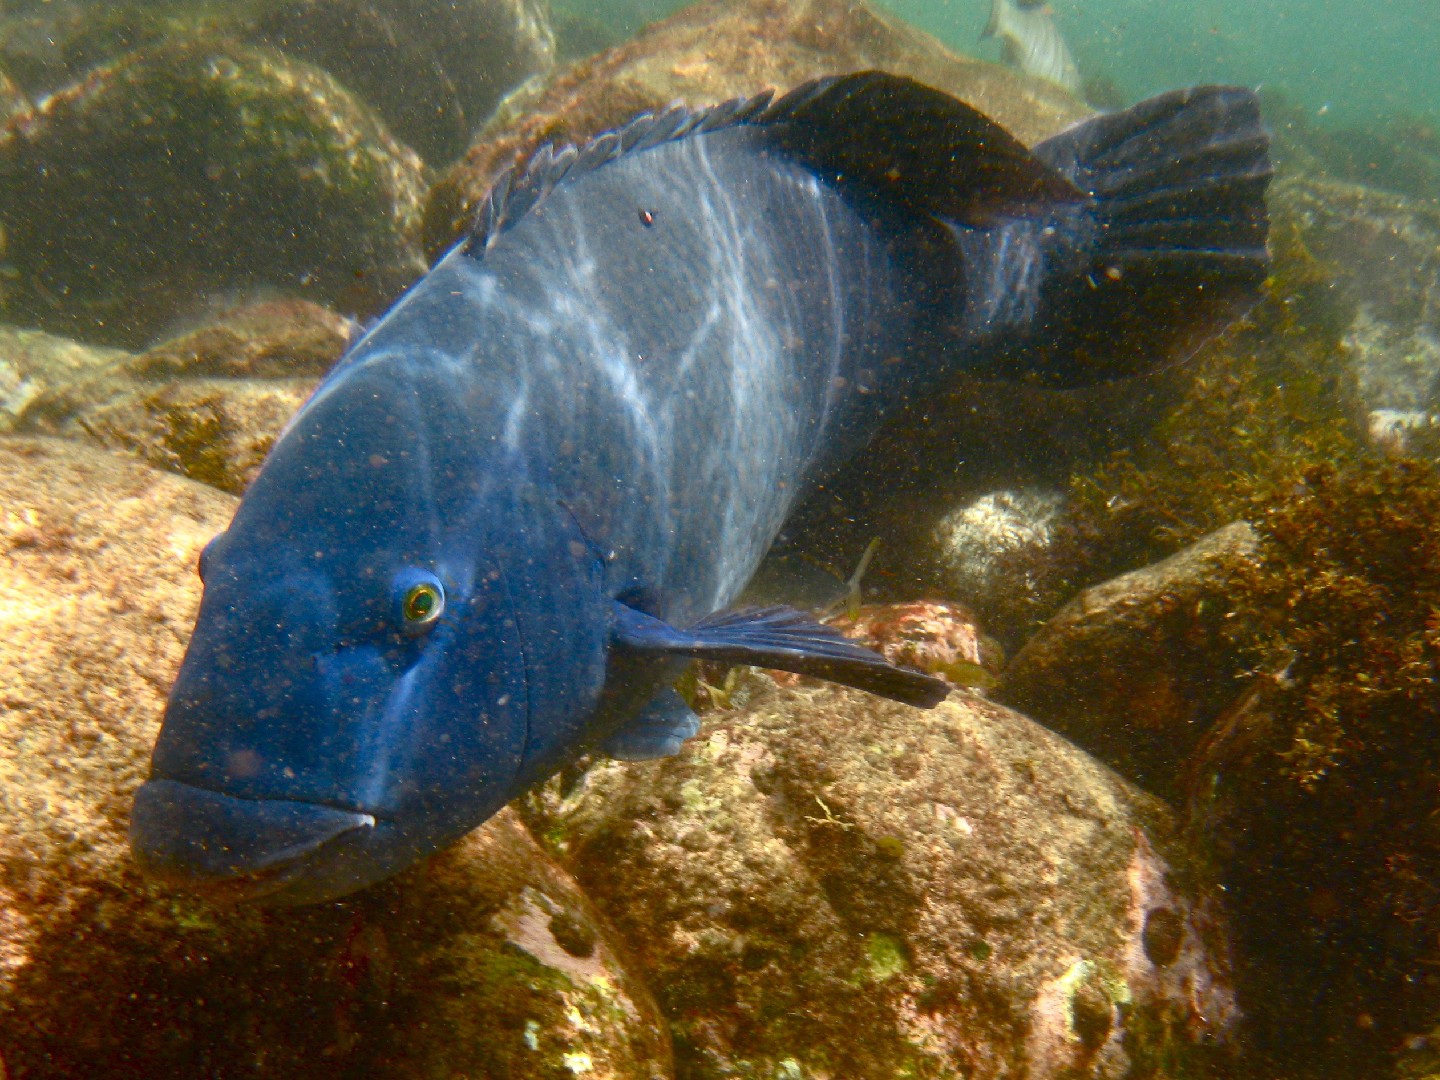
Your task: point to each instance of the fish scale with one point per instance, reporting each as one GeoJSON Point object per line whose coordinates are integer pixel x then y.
{"type": "Point", "coordinates": [503, 523]}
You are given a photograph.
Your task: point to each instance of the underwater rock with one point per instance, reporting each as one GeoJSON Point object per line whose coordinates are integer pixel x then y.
{"type": "Point", "coordinates": [1135, 669]}
{"type": "Point", "coordinates": [49, 45]}
{"type": "Point", "coordinates": [216, 431]}
{"type": "Point", "coordinates": [1315, 794]}
{"type": "Point", "coordinates": [196, 169]}
{"type": "Point", "coordinates": [207, 404]}
{"type": "Point", "coordinates": [433, 69]}
{"type": "Point", "coordinates": [994, 551]}
{"type": "Point", "coordinates": [716, 50]}
{"type": "Point", "coordinates": [933, 636]}
{"type": "Point", "coordinates": [1383, 253]}
{"type": "Point", "coordinates": [35, 366]}
{"type": "Point", "coordinates": [276, 339]}
{"type": "Point", "coordinates": [828, 884]}
{"type": "Point", "coordinates": [487, 961]}
{"type": "Point", "coordinates": [13, 101]}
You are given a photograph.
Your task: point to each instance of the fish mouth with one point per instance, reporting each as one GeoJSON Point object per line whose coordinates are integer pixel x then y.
{"type": "Point", "coordinates": [231, 849]}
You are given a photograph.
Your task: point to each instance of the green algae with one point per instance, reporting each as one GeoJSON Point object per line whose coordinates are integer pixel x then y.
{"type": "Point", "coordinates": [885, 957]}
{"type": "Point", "coordinates": [1253, 411]}
{"type": "Point", "coordinates": [1319, 792]}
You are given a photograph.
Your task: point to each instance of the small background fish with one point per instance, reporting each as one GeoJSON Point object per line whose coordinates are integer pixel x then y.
{"type": "Point", "coordinates": [1031, 42]}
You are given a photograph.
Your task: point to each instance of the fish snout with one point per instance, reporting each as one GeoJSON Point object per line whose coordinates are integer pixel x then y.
{"type": "Point", "coordinates": [230, 848]}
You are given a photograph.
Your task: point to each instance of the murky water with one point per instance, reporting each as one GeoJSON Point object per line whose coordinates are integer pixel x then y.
{"type": "Point", "coordinates": [1121, 431]}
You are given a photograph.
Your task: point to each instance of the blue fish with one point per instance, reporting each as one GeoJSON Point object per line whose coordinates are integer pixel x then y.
{"type": "Point", "coordinates": [494, 535]}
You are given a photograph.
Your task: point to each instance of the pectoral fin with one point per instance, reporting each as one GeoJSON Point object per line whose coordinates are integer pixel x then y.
{"type": "Point", "coordinates": [783, 638]}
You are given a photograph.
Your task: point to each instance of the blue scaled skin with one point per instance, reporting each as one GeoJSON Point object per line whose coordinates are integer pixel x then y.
{"type": "Point", "coordinates": [489, 540]}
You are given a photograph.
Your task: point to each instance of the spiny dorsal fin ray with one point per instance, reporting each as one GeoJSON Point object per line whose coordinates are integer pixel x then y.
{"type": "Point", "coordinates": [900, 138]}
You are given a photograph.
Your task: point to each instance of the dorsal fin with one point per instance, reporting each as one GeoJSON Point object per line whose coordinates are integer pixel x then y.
{"type": "Point", "coordinates": [519, 189]}
{"type": "Point", "coordinates": [918, 146]}
{"type": "Point", "coordinates": [902, 139]}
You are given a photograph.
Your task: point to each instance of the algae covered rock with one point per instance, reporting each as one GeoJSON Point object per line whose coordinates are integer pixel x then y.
{"type": "Point", "coordinates": [198, 168]}
{"type": "Point", "coordinates": [210, 404]}
{"type": "Point", "coordinates": [36, 366]}
{"type": "Point", "coordinates": [716, 50]}
{"type": "Point", "coordinates": [207, 404]}
{"type": "Point", "coordinates": [486, 961]}
{"type": "Point", "coordinates": [433, 69]}
{"type": "Point", "coordinates": [216, 431]}
{"type": "Point", "coordinates": [1318, 792]}
{"type": "Point", "coordinates": [49, 45]}
{"type": "Point", "coordinates": [1136, 668]}
{"type": "Point", "coordinates": [826, 884]}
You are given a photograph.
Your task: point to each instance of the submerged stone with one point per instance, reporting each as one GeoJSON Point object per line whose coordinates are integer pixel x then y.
{"type": "Point", "coordinates": [716, 50]}
{"type": "Point", "coordinates": [35, 367]}
{"type": "Point", "coordinates": [195, 169]}
{"type": "Point", "coordinates": [1136, 669]}
{"type": "Point", "coordinates": [827, 884]}
{"type": "Point", "coordinates": [434, 69]}
{"type": "Point", "coordinates": [207, 404]}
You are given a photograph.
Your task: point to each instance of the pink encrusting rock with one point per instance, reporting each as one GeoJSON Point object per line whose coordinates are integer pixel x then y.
{"type": "Point", "coordinates": [828, 884]}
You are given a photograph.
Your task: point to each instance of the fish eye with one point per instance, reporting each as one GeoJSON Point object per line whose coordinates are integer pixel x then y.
{"type": "Point", "coordinates": [420, 600]}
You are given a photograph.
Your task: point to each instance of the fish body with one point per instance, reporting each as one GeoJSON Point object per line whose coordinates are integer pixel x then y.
{"type": "Point", "coordinates": [1031, 42]}
{"type": "Point", "coordinates": [493, 535]}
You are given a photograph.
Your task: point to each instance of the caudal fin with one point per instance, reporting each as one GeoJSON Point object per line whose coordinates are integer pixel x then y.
{"type": "Point", "coordinates": [1178, 232]}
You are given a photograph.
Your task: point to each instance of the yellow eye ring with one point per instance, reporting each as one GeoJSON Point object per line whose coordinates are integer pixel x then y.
{"type": "Point", "coordinates": [422, 604]}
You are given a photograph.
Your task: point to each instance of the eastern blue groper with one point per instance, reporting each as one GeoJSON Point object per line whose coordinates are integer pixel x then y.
{"type": "Point", "coordinates": [493, 535]}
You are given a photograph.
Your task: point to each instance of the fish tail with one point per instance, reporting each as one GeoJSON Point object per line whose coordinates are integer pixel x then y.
{"type": "Point", "coordinates": [1175, 236]}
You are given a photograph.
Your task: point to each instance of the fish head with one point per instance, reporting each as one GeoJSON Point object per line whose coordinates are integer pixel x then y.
{"type": "Point", "coordinates": [354, 695]}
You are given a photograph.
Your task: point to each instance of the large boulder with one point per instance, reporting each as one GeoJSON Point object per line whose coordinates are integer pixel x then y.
{"type": "Point", "coordinates": [433, 69]}
{"type": "Point", "coordinates": [487, 961]}
{"type": "Point", "coordinates": [828, 884]}
{"type": "Point", "coordinates": [193, 169]}
{"type": "Point", "coordinates": [1135, 669]}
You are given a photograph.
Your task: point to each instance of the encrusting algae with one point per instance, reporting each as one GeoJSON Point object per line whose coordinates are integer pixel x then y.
{"type": "Point", "coordinates": [1317, 793]}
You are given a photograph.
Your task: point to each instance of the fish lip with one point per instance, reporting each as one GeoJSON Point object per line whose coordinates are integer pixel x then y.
{"type": "Point", "coordinates": [231, 848]}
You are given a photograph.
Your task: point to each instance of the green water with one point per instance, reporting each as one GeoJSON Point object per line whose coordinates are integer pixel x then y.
{"type": "Point", "coordinates": [1344, 60]}
{"type": "Point", "coordinates": [1351, 58]}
